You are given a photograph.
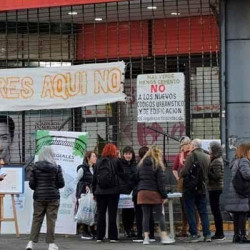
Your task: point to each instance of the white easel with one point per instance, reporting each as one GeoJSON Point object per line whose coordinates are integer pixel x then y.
{"type": "Point", "coordinates": [2, 218]}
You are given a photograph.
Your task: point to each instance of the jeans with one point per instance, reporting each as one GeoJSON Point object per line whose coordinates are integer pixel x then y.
{"type": "Point", "coordinates": [240, 219]}
{"type": "Point", "coordinates": [199, 201]}
{"type": "Point", "coordinates": [214, 198]}
{"type": "Point", "coordinates": [42, 208]}
{"type": "Point", "coordinates": [159, 214]}
{"type": "Point", "coordinates": [104, 202]}
{"type": "Point", "coordinates": [139, 218]}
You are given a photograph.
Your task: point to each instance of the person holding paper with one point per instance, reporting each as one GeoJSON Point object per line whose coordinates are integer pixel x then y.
{"type": "Point", "coordinates": [46, 179]}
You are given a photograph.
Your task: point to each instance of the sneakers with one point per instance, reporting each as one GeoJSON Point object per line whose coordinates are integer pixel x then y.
{"type": "Point", "coordinates": [220, 237]}
{"type": "Point", "coordinates": [53, 246]}
{"type": "Point", "coordinates": [192, 239]}
{"type": "Point", "coordinates": [114, 241]}
{"type": "Point", "coordinates": [98, 241]}
{"type": "Point", "coordinates": [207, 238]}
{"type": "Point", "coordinates": [138, 240]}
{"type": "Point", "coordinates": [167, 240]}
{"type": "Point", "coordinates": [152, 239]}
{"type": "Point", "coordinates": [146, 241]}
{"type": "Point", "coordinates": [29, 245]}
{"type": "Point", "coordinates": [86, 236]}
{"type": "Point", "coordinates": [243, 239]}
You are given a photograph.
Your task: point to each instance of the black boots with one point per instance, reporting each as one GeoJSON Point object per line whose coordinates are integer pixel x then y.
{"type": "Point", "coordinates": [240, 239]}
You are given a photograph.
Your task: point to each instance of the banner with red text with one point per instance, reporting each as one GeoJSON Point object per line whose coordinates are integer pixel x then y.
{"type": "Point", "coordinates": [61, 87]}
{"type": "Point", "coordinates": [161, 97]}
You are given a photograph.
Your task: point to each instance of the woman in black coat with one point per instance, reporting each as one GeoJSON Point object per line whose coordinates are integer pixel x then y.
{"type": "Point", "coordinates": [46, 179]}
{"type": "Point", "coordinates": [128, 164]}
{"type": "Point", "coordinates": [84, 179]}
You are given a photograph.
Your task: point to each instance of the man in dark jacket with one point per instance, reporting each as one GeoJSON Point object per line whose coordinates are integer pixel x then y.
{"type": "Point", "coordinates": [196, 198]}
{"type": "Point", "coordinates": [46, 179]}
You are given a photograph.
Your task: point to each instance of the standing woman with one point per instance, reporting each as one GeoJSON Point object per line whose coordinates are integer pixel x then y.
{"type": "Point", "coordinates": [84, 180]}
{"type": "Point", "coordinates": [105, 187]}
{"type": "Point", "coordinates": [215, 186]}
{"type": "Point", "coordinates": [46, 179]}
{"type": "Point", "coordinates": [151, 192]}
{"type": "Point", "coordinates": [235, 203]}
{"type": "Point", "coordinates": [128, 164]}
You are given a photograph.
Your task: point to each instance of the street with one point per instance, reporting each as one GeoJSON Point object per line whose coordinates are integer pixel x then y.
{"type": "Point", "coordinates": [10, 242]}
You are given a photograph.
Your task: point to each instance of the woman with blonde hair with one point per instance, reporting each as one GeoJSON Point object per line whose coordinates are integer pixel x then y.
{"type": "Point", "coordinates": [236, 204]}
{"type": "Point", "coordinates": [151, 192]}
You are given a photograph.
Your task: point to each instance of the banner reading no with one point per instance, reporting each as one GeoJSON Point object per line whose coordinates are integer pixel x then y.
{"type": "Point", "coordinates": [61, 87]}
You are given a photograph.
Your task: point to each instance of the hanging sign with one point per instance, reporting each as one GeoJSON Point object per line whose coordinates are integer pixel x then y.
{"type": "Point", "coordinates": [161, 98]}
{"type": "Point", "coordinates": [61, 87]}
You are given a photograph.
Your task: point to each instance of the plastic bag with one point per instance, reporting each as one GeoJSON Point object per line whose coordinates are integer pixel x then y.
{"type": "Point", "coordinates": [86, 210]}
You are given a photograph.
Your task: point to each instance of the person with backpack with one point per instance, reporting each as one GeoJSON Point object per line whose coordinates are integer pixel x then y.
{"type": "Point", "coordinates": [106, 191]}
{"type": "Point", "coordinates": [237, 202]}
{"type": "Point", "coordinates": [46, 179]}
{"type": "Point", "coordinates": [128, 164]}
{"type": "Point", "coordinates": [195, 174]}
{"type": "Point", "coordinates": [215, 186]}
{"type": "Point", "coordinates": [138, 209]}
{"type": "Point", "coordinates": [84, 180]}
{"type": "Point", "coordinates": [152, 193]}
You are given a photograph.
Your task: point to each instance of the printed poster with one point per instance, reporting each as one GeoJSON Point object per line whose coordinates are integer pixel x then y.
{"type": "Point", "coordinates": [161, 98]}
{"type": "Point", "coordinates": [69, 149]}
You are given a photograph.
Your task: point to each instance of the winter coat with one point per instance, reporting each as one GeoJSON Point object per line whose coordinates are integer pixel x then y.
{"type": "Point", "coordinates": [46, 179]}
{"type": "Point", "coordinates": [97, 190]}
{"type": "Point", "coordinates": [234, 203]}
{"type": "Point", "coordinates": [203, 160]}
{"type": "Point", "coordinates": [86, 180]}
{"type": "Point", "coordinates": [127, 182]}
{"type": "Point", "coordinates": [150, 179]}
{"type": "Point", "coordinates": [215, 174]}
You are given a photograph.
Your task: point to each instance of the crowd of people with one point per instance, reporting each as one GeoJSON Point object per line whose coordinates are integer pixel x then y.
{"type": "Point", "coordinates": [197, 172]}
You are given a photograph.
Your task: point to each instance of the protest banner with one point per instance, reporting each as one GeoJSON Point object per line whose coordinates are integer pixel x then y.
{"type": "Point", "coordinates": [61, 87]}
{"type": "Point", "coordinates": [69, 148]}
{"type": "Point", "coordinates": [161, 98]}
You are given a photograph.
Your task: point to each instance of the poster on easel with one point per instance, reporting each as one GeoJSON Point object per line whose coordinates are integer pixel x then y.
{"type": "Point", "coordinates": [13, 182]}
{"type": "Point", "coordinates": [69, 149]}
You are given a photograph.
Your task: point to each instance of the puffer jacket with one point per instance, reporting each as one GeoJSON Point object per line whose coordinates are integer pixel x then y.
{"type": "Point", "coordinates": [234, 203]}
{"type": "Point", "coordinates": [150, 179]}
{"type": "Point", "coordinates": [215, 174]}
{"type": "Point", "coordinates": [46, 179]}
{"type": "Point", "coordinates": [127, 183]}
{"type": "Point", "coordinates": [86, 180]}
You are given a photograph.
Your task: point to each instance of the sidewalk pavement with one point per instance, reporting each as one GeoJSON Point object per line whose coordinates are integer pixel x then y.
{"type": "Point", "coordinates": [10, 242]}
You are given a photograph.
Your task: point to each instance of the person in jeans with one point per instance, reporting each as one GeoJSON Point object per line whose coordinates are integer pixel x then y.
{"type": "Point", "coordinates": [128, 164]}
{"type": "Point", "coordinates": [138, 209]}
{"type": "Point", "coordinates": [84, 180]}
{"type": "Point", "coordinates": [236, 204]}
{"type": "Point", "coordinates": [215, 186]}
{"type": "Point", "coordinates": [196, 199]}
{"type": "Point", "coordinates": [107, 196]}
{"type": "Point", "coordinates": [152, 193]}
{"type": "Point", "coordinates": [46, 179]}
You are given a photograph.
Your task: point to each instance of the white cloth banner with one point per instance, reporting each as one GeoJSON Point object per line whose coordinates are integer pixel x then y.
{"type": "Point", "coordinates": [161, 97]}
{"type": "Point", "coordinates": [61, 87]}
{"type": "Point", "coordinates": [69, 150]}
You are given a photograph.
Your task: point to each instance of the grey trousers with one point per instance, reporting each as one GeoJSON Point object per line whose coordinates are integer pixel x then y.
{"type": "Point", "coordinates": [42, 208]}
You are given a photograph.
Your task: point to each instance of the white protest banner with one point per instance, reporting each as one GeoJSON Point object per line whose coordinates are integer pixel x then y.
{"type": "Point", "coordinates": [61, 87]}
{"type": "Point", "coordinates": [69, 148]}
{"type": "Point", "coordinates": [161, 98]}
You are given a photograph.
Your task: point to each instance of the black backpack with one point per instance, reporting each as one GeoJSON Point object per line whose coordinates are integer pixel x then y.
{"type": "Point", "coordinates": [194, 182]}
{"type": "Point", "coordinates": [106, 175]}
{"type": "Point", "coordinates": [241, 185]}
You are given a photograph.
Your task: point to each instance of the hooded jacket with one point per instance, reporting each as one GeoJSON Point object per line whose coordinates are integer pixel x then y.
{"type": "Point", "coordinates": [46, 179]}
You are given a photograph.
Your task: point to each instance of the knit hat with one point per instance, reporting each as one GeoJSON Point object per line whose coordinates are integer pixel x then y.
{"type": "Point", "coordinates": [184, 140]}
{"type": "Point", "coordinates": [216, 149]}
